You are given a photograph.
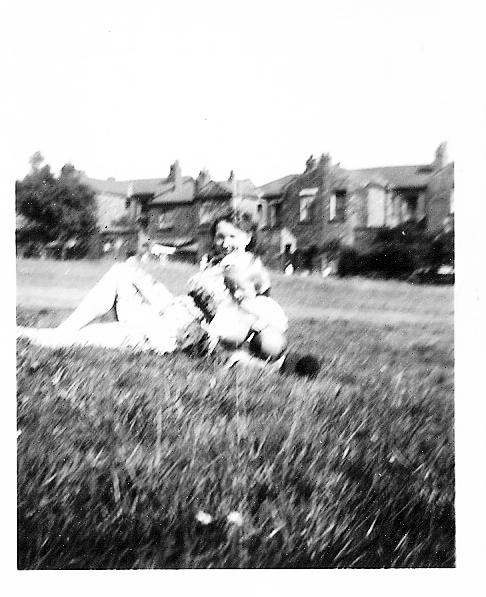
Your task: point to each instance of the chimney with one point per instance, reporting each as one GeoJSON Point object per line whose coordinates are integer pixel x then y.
{"type": "Point", "coordinates": [324, 160]}
{"type": "Point", "coordinates": [310, 163]}
{"type": "Point", "coordinates": [202, 179]}
{"type": "Point", "coordinates": [235, 197]}
{"type": "Point", "coordinates": [440, 156]}
{"type": "Point", "coordinates": [175, 174]}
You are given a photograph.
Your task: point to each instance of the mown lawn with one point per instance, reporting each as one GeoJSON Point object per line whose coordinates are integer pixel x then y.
{"type": "Point", "coordinates": [119, 454]}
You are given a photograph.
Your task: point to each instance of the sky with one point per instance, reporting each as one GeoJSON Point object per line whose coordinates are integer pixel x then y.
{"type": "Point", "coordinates": [124, 89]}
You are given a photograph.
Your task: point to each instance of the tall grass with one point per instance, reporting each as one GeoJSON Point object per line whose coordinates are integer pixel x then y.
{"type": "Point", "coordinates": [119, 452]}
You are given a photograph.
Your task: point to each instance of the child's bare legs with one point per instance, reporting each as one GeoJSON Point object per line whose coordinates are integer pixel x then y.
{"type": "Point", "coordinates": [231, 324]}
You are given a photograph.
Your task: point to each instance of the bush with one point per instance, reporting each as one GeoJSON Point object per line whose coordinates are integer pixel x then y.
{"type": "Point", "coordinates": [441, 250]}
{"type": "Point", "coordinates": [398, 252]}
{"type": "Point", "coordinates": [390, 260]}
{"type": "Point", "coordinates": [348, 262]}
{"type": "Point", "coordinates": [331, 249]}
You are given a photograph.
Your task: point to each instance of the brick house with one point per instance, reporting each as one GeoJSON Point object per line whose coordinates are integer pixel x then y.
{"type": "Point", "coordinates": [167, 203]}
{"type": "Point", "coordinates": [306, 213]}
{"type": "Point", "coordinates": [170, 210]}
{"type": "Point", "coordinates": [274, 225]}
{"type": "Point", "coordinates": [440, 196]}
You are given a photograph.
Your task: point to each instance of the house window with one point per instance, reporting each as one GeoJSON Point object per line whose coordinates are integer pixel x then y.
{"type": "Point", "coordinates": [337, 206]}
{"type": "Point", "coordinates": [165, 220]}
{"type": "Point", "coordinates": [274, 215]}
{"type": "Point", "coordinates": [376, 207]}
{"type": "Point", "coordinates": [307, 197]}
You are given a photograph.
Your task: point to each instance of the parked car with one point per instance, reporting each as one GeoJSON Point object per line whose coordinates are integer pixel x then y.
{"type": "Point", "coordinates": [58, 249]}
{"type": "Point", "coordinates": [442, 274]}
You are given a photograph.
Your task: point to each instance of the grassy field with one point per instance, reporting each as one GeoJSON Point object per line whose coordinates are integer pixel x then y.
{"type": "Point", "coordinates": [138, 460]}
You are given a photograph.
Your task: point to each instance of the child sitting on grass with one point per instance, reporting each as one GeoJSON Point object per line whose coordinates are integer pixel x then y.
{"type": "Point", "coordinates": [233, 286]}
{"type": "Point", "coordinates": [240, 311]}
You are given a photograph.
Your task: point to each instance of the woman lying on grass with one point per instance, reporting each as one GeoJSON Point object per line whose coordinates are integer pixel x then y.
{"type": "Point", "coordinates": [227, 302]}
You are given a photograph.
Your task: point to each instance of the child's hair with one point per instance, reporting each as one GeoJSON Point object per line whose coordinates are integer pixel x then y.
{"type": "Point", "coordinates": [242, 220]}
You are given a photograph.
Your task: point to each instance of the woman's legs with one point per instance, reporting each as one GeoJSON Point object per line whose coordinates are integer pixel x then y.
{"type": "Point", "coordinates": [131, 290]}
{"type": "Point", "coordinates": [106, 335]}
{"type": "Point", "coordinates": [138, 300]}
{"type": "Point", "coordinates": [99, 300]}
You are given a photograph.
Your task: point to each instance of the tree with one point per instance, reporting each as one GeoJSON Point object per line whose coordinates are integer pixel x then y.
{"type": "Point", "coordinates": [54, 208]}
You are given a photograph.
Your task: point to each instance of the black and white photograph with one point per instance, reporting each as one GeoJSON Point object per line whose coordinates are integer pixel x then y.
{"type": "Point", "coordinates": [234, 276]}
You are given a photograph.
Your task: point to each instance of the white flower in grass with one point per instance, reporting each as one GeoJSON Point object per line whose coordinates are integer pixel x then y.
{"type": "Point", "coordinates": [235, 518]}
{"type": "Point", "coordinates": [204, 517]}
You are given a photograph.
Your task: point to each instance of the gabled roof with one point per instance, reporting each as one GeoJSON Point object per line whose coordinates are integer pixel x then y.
{"type": "Point", "coordinates": [171, 195]}
{"type": "Point", "coordinates": [246, 187]}
{"type": "Point", "coordinates": [216, 189]}
{"type": "Point", "coordinates": [224, 189]}
{"type": "Point", "coordinates": [158, 186]}
{"type": "Point", "coordinates": [340, 178]}
{"type": "Point", "coordinates": [276, 187]}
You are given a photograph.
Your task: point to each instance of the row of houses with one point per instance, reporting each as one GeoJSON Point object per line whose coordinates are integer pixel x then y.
{"type": "Point", "coordinates": [300, 213]}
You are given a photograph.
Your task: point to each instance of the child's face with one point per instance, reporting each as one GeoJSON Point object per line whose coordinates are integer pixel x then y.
{"type": "Point", "coordinates": [228, 238]}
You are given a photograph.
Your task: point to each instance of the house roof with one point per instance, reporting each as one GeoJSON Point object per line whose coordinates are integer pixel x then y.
{"type": "Point", "coordinates": [224, 188]}
{"type": "Point", "coordinates": [246, 187]}
{"type": "Point", "coordinates": [276, 187]}
{"type": "Point", "coordinates": [447, 170]}
{"type": "Point", "coordinates": [110, 185]}
{"type": "Point", "coordinates": [141, 186]}
{"type": "Point", "coordinates": [170, 194]}
{"type": "Point", "coordinates": [216, 188]}
{"type": "Point", "coordinates": [159, 186]}
{"type": "Point", "coordinates": [340, 178]}
{"type": "Point", "coordinates": [359, 178]}
{"type": "Point", "coordinates": [397, 177]}
{"type": "Point", "coordinates": [149, 186]}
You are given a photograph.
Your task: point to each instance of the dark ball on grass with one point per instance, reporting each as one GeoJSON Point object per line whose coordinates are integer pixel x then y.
{"type": "Point", "coordinates": [304, 365]}
{"type": "Point", "coordinates": [307, 366]}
